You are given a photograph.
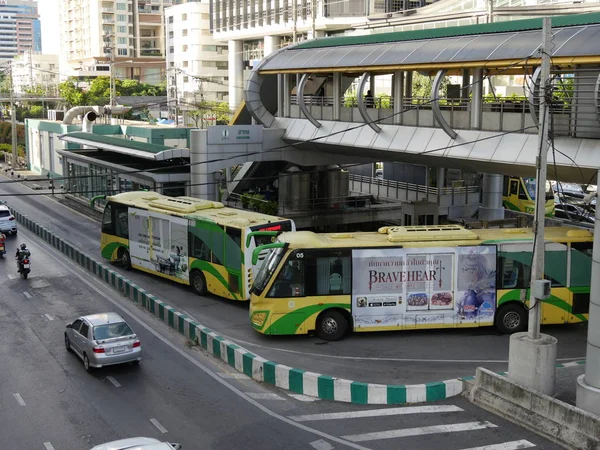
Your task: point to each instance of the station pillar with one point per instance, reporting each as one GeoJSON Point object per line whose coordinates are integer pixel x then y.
{"type": "Point", "coordinates": [491, 204]}
{"type": "Point", "coordinates": [203, 184]}
{"type": "Point", "coordinates": [236, 73]}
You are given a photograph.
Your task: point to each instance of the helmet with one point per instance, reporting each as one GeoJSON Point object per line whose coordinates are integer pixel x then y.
{"type": "Point", "coordinates": [23, 246]}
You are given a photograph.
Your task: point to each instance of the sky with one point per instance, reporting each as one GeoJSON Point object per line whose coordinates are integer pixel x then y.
{"type": "Point", "coordinates": [48, 10]}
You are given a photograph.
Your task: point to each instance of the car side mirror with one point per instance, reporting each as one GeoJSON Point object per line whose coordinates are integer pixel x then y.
{"type": "Point", "coordinates": [177, 446]}
{"type": "Point", "coordinates": [69, 325]}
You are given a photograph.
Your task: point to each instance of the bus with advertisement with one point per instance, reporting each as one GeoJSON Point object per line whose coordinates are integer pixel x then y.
{"type": "Point", "coordinates": [518, 194]}
{"type": "Point", "coordinates": [187, 240]}
{"type": "Point", "coordinates": [405, 278]}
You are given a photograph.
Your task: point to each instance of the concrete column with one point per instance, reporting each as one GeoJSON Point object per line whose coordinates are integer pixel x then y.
{"type": "Point", "coordinates": [271, 44]}
{"type": "Point", "coordinates": [477, 99]}
{"type": "Point", "coordinates": [236, 74]}
{"type": "Point", "coordinates": [337, 95]}
{"type": "Point", "coordinates": [466, 81]}
{"type": "Point", "coordinates": [441, 177]}
{"type": "Point", "coordinates": [588, 384]}
{"type": "Point", "coordinates": [318, 34]}
{"type": "Point", "coordinates": [491, 207]}
{"type": "Point", "coordinates": [408, 85]}
{"type": "Point", "coordinates": [287, 93]}
{"type": "Point", "coordinates": [398, 95]}
{"type": "Point", "coordinates": [203, 184]}
{"type": "Point", "coordinates": [280, 94]}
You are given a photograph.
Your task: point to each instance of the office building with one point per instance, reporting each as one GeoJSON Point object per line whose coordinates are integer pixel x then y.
{"type": "Point", "coordinates": [20, 29]}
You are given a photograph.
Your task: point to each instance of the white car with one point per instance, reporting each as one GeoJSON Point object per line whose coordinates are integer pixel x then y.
{"type": "Point", "coordinates": [8, 224]}
{"type": "Point", "coordinates": [137, 443]}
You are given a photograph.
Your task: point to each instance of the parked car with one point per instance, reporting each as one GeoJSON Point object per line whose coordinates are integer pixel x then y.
{"type": "Point", "coordinates": [573, 212]}
{"type": "Point", "coordinates": [138, 443]}
{"type": "Point", "coordinates": [103, 340]}
{"type": "Point", "coordinates": [8, 224]}
{"type": "Point", "coordinates": [568, 189]}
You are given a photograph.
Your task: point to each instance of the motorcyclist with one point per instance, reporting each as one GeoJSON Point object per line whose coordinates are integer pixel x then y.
{"type": "Point", "coordinates": [22, 253]}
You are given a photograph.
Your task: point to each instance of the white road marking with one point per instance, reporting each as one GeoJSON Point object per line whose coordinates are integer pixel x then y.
{"type": "Point", "coordinates": [157, 424]}
{"type": "Point", "coordinates": [378, 412]}
{"type": "Point", "coordinates": [78, 273]}
{"type": "Point", "coordinates": [49, 317]}
{"type": "Point", "coordinates": [48, 446]}
{"type": "Point", "coordinates": [233, 376]}
{"type": "Point", "coordinates": [321, 445]}
{"type": "Point", "coordinates": [113, 381]}
{"type": "Point", "coordinates": [420, 431]}
{"type": "Point", "coordinates": [10, 276]}
{"type": "Point", "coordinates": [27, 294]}
{"type": "Point", "coordinates": [303, 398]}
{"type": "Point", "coordinates": [19, 399]}
{"type": "Point", "coordinates": [514, 445]}
{"type": "Point", "coordinates": [264, 396]}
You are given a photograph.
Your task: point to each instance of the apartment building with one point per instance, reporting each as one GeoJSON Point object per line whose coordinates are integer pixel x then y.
{"type": "Point", "coordinates": [127, 35]}
{"type": "Point", "coordinates": [197, 65]}
{"type": "Point", "coordinates": [34, 70]}
{"type": "Point", "coordinates": [20, 28]}
{"type": "Point", "coordinates": [255, 28]}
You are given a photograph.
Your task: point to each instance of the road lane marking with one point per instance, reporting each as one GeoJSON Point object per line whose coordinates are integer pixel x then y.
{"type": "Point", "coordinates": [49, 317]}
{"type": "Point", "coordinates": [321, 445]}
{"type": "Point", "coordinates": [303, 398]}
{"type": "Point", "coordinates": [234, 376]}
{"type": "Point", "coordinates": [113, 381]}
{"type": "Point", "coordinates": [203, 367]}
{"type": "Point", "coordinates": [514, 445]}
{"type": "Point", "coordinates": [264, 396]}
{"type": "Point", "coordinates": [27, 294]}
{"type": "Point", "coordinates": [19, 399]}
{"type": "Point", "coordinates": [48, 446]}
{"type": "Point", "coordinates": [157, 424]}
{"type": "Point", "coordinates": [420, 431]}
{"type": "Point", "coordinates": [10, 276]}
{"type": "Point", "coordinates": [378, 412]}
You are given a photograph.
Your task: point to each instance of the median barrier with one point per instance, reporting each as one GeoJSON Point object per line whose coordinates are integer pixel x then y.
{"type": "Point", "coordinates": [260, 369]}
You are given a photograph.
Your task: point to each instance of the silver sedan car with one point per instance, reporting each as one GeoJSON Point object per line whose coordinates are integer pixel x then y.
{"type": "Point", "coordinates": [103, 340]}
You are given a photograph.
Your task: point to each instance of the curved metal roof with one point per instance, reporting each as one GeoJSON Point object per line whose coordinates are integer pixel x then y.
{"type": "Point", "coordinates": [495, 45]}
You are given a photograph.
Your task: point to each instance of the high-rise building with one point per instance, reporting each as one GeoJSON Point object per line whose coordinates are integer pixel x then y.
{"type": "Point", "coordinates": [20, 29]}
{"type": "Point", "coordinates": [196, 64]}
{"type": "Point", "coordinates": [127, 35]}
{"type": "Point", "coordinates": [35, 71]}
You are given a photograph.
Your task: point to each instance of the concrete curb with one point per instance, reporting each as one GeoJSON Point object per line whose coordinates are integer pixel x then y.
{"type": "Point", "coordinates": [258, 368]}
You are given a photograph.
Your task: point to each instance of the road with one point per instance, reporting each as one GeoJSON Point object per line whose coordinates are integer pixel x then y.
{"type": "Point", "coordinates": [178, 393]}
{"type": "Point", "coordinates": [408, 357]}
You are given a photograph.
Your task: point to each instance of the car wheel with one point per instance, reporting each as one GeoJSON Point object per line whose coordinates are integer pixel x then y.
{"type": "Point", "coordinates": [331, 325]}
{"type": "Point", "coordinates": [511, 318]}
{"type": "Point", "coordinates": [124, 259]}
{"type": "Point", "coordinates": [86, 363]}
{"type": "Point", "coordinates": [68, 343]}
{"type": "Point", "coordinates": [198, 282]}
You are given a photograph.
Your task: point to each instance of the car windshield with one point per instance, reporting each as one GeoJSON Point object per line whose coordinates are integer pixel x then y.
{"type": "Point", "coordinates": [531, 186]}
{"type": "Point", "coordinates": [267, 269]}
{"type": "Point", "coordinates": [112, 330]}
{"type": "Point", "coordinates": [4, 213]}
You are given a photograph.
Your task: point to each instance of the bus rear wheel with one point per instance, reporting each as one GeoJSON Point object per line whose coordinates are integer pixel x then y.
{"type": "Point", "coordinates": [511, 318]}
{"type": "Point", "coordinates": [198, 282]}
{"type": "Point", "coordinates": [331, 325]}
{"type": "Point", "coordinates": [124, 258]}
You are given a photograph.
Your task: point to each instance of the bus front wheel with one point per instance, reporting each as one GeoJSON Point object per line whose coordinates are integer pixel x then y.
{"type": "Point", "coordinates": [511, 318]}
{"type": "Point", "coordinates": [331, 325]}
{"type": "Point", "coordinates": [124, 258]}
{"type": "Point", "coordinates": [198, 282]}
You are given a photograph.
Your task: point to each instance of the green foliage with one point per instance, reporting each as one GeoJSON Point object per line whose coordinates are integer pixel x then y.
{"type": "Point", "coordinates": [271, 208]}
{"type": "Point", "coordinates": [200, 110]}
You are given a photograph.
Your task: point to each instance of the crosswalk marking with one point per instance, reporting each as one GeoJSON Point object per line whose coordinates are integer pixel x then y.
{"type": "Point", "coordinates": [378, 412]}
{"type": "Point", "coordinates": [420, 431]}
{"type": "Point", "coordinates": [10, 276]}
{"type": "Point", "coordinates": [27, 294]}
{"type": "Point", "coordinates": [263, 396]}
{"type": "Point", "coordinates": [303, 398]}
{"type": "Point", "coordinates": [514, 445]}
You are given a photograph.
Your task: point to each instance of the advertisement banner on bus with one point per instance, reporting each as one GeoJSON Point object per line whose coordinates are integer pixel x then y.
{"type": "Point", "coordinates": [404, 287]}
{"type": "Point", "coordinates": [158, 243]}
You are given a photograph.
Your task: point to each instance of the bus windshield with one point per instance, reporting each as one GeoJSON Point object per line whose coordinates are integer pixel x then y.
{"type": "Point", "coordinates": [267, 269]}
{"type": "Point", "coordinates": [531, 186]}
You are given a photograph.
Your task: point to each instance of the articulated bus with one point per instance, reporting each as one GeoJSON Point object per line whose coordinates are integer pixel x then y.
{"type": "Point", "coordinates": [404, 278]}
{"type": "Point", "coordinates": [518, 194]}
{"type": "Point", "coordinates": [188, 240]}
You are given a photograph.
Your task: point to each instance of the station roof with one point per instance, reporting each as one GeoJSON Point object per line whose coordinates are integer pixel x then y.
{"type": "Point", "coordinates": [494, 45]}
{"type": "Point", "coordinates": [137, 149]}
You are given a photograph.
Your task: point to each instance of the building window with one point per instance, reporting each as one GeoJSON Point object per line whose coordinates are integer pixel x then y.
{"type": "Point", "coordinates": [122, 51]}
{"type": "Point", "coordinates": [171, 49]}
{"type": "Point", "coordinates": [184, 48]}
{"type": "Point", "coordinates": [122, 40]}
{"type": "Point", "coordinates": [184, 32]}
{"type": "Point", "coordinates": [121, 18]}
{"type": "Point", "coordinates": [184, 17]}
{"type": "Point", "coordinates": [122, 6]}
{"type": "Point", "coordinates": [186, 79]}
{"type": "Point", "coordinates": [171, 64]}
{"type": "Point", "coordinates": [171, 34]}
{"type": "Point", "coordinates": [170, 19]}
{"type": "Point", "coordinates": [209, 48]}
{"type": "Point", "coordinates": [185, 63]}
{"type": "Point", "coordinates": [122, 29]}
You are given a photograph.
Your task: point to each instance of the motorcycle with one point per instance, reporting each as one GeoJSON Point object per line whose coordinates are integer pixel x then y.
{"type": "Point", "coordinates": [2, 250]}
{"type": "Point", "coordinates": [24, 267]}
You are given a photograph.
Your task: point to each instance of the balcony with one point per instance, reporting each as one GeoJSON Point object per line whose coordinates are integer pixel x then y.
{"type": "Point", "coordinates": [150, 52]}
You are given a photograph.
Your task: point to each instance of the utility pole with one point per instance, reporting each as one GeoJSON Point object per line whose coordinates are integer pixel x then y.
{"type": "Point", "coordinates": [295, 20]}
{"type": "Point", "coordinates": [176, 97]}
{"type": "Point", "coordinates": [532, 355]}
{"type": "Point", "coordinates": [13, 118]}
{"type": "Point", "coordinates": [313, 9]}
{"type": "Point", "coordinates": [30, 69]}
{"type": "Point", "coordinates": [490, 11]}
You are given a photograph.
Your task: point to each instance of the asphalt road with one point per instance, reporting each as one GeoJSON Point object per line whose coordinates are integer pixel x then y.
{"type": "Point", "coordinates": [49, 402]}
{"type": "Point", "coordinates": [407, 357]}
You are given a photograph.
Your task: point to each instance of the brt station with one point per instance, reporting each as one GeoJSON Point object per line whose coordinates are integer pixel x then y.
{"type": "Point", "coordinates": [316, 106]}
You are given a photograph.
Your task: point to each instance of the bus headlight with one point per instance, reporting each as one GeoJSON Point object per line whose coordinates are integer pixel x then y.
{"type": "Point", "coordinates": [258, 319]}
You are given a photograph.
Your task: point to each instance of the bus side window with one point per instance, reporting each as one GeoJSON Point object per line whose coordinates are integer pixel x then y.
{"type": "Point", "coordinates": [122, 221]}
{"type": "Point", "coordinates": [198, 248]}
{"type": "Point", "coordinates": [290, 279]}
{"type": "Point", "coordinates": [107, 220]}
{"type": "Point", "coordinates": [217, 244]}
{"type": "Point", "coordinates": [328, 272]}
{"type": "Point", "coordinates": [233, 250]}
{"type": "Point", "coordinates": [522, 192]}
{"type": "Point", "coordinates": [515, 274]}
{"type": "Point", "coordinates": [514, 187]}
{"type": "Point", "coordinates": [505, 186]}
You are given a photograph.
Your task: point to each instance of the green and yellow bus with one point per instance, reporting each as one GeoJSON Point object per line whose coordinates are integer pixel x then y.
{"type": "Point", "coordinates": [404, 278]}
{"type": "Point", "coordinates": [188, 240]}
{"type": "Point", "coordinates": [518, 194]}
